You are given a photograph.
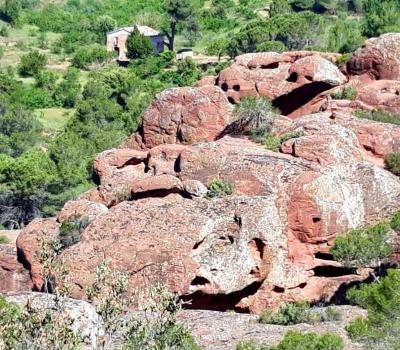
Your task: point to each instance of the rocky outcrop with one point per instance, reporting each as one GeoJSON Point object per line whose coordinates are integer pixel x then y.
{"type": "Point", "coordinates": [290, 79]}
{"type": "Point", "coordinates": [184, 115]}
{"type": "Point", "coordinates": [13, 276]}
{"type": "Point", "coordinates": [378, 58]}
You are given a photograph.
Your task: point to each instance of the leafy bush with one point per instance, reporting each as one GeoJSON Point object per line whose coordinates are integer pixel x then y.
{"type": "Point", "coordinates": [295, 340]}
{"type": "Point", "coordinates": [273, 143]}
{"type": "Point", "coordinates": [274, 46]}
{"type": "Point", "coordinates": [363, 247]}
{"type": "Point", "coordinates": [381, 328]}
{"type": "Point", "coordinates": [392, 162]}
{"type": "Point", "coordinates": [4, 239]}
{"type": "Point", "coordinates": [138, 45]}
{"type": "Point", "coordinates": [254, 116]}
{"type": "Point", "coordinates": [395, 221]}
{"type": "Point", "coordinates": [288, 314]}
{"type": "Point", "coordinates": [379, 116]}
{"type": "Point", "coordinates": [85, 56]}
{"type": "Point", "coordinates": [219, 188]}
{"type": "Point", "coordinates": [347, 93]}
{"type": "Point", "coordinates": [32, 63]}
{"type": "Point", "coordinates": [71, 230]}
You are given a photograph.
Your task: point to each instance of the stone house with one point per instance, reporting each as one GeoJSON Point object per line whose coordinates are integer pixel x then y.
{"type": "Point", "coordinates": [116, 40]}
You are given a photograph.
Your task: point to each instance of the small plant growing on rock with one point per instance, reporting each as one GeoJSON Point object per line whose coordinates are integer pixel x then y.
{"type": "Point", "coordinates": [392, 162]}
{"type": "Point", "coordinates": [4, 239]}
{"type": "Point", "coordinates": [274, 143]}
{"type": "Point", "coordinates": [363, 247]}
{"type": "Point", "coordinates": [71, 230]}
{"type": "Point", "coordinates": [378, 116]}
{"type": "Point", "coordinates": [295, 340]}
{"type": "Point", "coordinates": [347, 93]}
{"type": "Point", "coordinates": [219, 188]}
{"type": "Point", "coordinates": [395, 221]}
{"type": "Point", "coordinates": [254, 117]}
{"type": "Point", "coordinates": [288, 314]}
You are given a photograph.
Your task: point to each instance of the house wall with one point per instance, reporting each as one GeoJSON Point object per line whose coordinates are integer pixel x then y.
{"type": "Point", "coordinates": [118, 40]}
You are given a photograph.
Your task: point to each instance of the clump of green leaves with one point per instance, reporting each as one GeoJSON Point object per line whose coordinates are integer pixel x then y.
{"type": "Point", "coordinates": [138, 45]}
{"type": "Point", "coordinates": [295, 340]}
{"type": "Point", "coordinates": [378, 115]}
{"type": "Point", "coordinates": [32, 63]}
{"type": "Point", "coordinates": [395, 221]}
{"type": "Point", "coordinates": [347, 93]}
{"type": "Point", "coordinates": [274, 143]}
{"type": "Point", "coordinates": [392, 162]}
{"type": "Point", "coordinates": [380, 330]}
{"type": "Point", "coordinates": [4, 239]}
{"type": "Point", "coordinates": [71, 230]}
{"type": "Point", "coordinates": [363, 247]}
{"type": "Point", "coordinates": [287, 314]}
{"type": "Point", "coordinates": [219, 188]}
{"type": "Point", "coordinates": [254, 116]}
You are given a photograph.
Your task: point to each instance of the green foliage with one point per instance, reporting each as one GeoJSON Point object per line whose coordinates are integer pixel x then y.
{"type": "Point", "coordinates": [11, 10]}
{"type": "Point", "coordinates": [32, 63]}
{"type": "Point", "coordinates": [187, 72]}
{"type": "Point", "coordinates": [295, 340]}
{"type": "Point", "coordinates": [160, 329]}
{"type": "Point", "coordinates": [217, 47]}
{"type": "Point", "coordinates": [4, 239]}
{"type": "Point", "coordinates": [379, 116]}
{"type": "Point", "coordinates": [94, 54]}
{"type": "Point", "coordinates": [138, 45]}
{"type": "Point", "coordinates": [395, 221]}
{"type": "Point", "coordinates": [288, 314]}
{"type": "Point", "coordinates": [71, 230]}
{"type": "Point", "coordinates": [381, 328]}
{"type": "Point", "coordinates": [347, 93]}
{"type": "Point", "coordinates": [25, 328]}
{"type": "Point", "coordinates": [343, 59]}
{"type": "Point", "coordinates": [274, 143]}
{"type": "Point", "coordinates": [363, 247]}
{"type": "Point", "coordinates": [381, 16]}
{"type": "Point", "coordinates": [272, 45]}
{"type": "Point", "coordinates": [392, 163]}
{"type": "Point", "coordinates": [219, 188]}
{"type": "Point", "coordinates": [254, 116]}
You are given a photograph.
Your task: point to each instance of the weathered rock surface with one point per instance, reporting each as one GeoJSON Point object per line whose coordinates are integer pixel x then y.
{"type": "Point", "coordinates": [85, 321]}
{"type": "Point", "coordinates": [184, 115]}
{"type": "Point", "coordinates": [379, 58]}
{"type": "Point", "coordinates": [13, 276]}
{"type": "Point", "coordinates": [290, 79]}
{"type": "Point", "coordinates": [223, 331]}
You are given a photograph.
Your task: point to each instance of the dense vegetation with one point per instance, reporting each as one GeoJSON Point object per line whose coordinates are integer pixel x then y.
{"type": "Point", "coordinates": [62, 99]}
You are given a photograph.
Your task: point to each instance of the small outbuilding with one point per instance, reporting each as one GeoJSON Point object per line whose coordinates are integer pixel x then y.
{"type": "Point", "coordinates": [116, 40]}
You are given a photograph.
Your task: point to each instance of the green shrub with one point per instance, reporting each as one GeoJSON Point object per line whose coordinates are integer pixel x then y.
{"type": "Point", "coordinates": [253, 116]}
{"type": "Point", "coordinates": [343, 59]}
{"type": "Point", "coordinates": [138, 45]}
{"type": "Point", "coordinates": [392, 162]}
{"type": "Point", "coordinates": [4, 31]}
{"type": "Point", "coordinates": [330, 315]}
{"type": "Point", "coordinates": [395, 221]}
{"type": "Point", "coordinates": [274, 46]}
{"type": "Point", "coordinates": [363, 247]}
{"type": "Point", "coordinates": [379, 116]}
{"type": "Point", "coordinates": [71, 230]}
{"type": "Point", "coordinates": [347, 93]}
{"type": "Point", "coordinates": [219, 188]}
{"type": "Point", "coordinates": [274, 143]}
{"type": "Point", "coordinates": [295, 340]}
{"type": "Point", "coordinates": [85, 56]}
{"type": "Point", "coordinates": [288, 314]}
{"type": "Point", "coordinates": [380, 330]}
{"type": "Point", "coordinates": [4, 239]}
{"type": "Point", "coordinates": [32, 63]}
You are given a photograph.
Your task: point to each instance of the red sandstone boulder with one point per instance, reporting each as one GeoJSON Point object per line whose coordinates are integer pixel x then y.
{"type": "Point", "coordinates": [29, 244]}
{"type": "Point", "coordinates": [379, 58]}
{"type": "Point", "coordinates": [13, 276]}
{"type": "Point", "coordinates": [81, 208]}
{"type": "Point", "coordinates": [291, 79]}
{"type": "Point", "coordinates": [184, 115]}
